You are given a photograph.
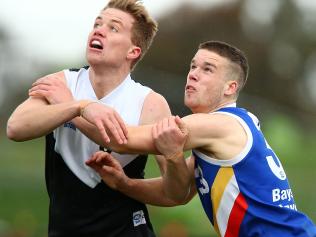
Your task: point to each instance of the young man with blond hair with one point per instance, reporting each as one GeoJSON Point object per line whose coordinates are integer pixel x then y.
{"type": "Point", "coordinates": [81, 204]}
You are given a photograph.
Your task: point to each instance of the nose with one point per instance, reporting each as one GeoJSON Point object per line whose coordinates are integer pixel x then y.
{"type": "Point", "coordinates": [99, 31]}
{"type": "Point", "coordinates": [193, 75]}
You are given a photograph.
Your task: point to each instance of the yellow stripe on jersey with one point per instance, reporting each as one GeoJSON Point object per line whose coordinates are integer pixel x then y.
{"type": "Point", "coordinates": [221, 180]}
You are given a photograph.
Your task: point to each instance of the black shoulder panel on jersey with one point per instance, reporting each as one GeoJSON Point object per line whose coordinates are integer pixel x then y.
{"type": "Point", "coordinates": [77, 69]}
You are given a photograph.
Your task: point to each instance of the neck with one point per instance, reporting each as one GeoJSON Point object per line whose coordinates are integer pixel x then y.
{"type": "Point", "coordinates": [105, 80]}
{"type": "Point", "coordinates": [224, 104]}
{"type": "Point", "coordinates": [212, 109]}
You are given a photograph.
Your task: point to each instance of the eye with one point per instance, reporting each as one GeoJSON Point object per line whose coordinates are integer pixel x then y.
{"type": "Point", "coordinates": [208, 69]}
{"type": "Point", "coordinates": [96, 25]}
{"type": "Point", "coordinates": [114, 29]}
{"type": "Point", "coordinates": [192, 66]}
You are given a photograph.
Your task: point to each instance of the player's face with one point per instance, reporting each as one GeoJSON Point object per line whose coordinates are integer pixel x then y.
{"type": "Point", "coordinates": [204, 90]}
{"type": "Point", "coordinates": [109, 42]}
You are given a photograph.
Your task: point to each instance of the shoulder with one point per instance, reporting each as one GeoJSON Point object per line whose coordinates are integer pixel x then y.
{"type": "Point", "coordinates": [154, 99]}
{"type": "Point", "coordinates": [154, 109]}
{"type": "Point", "coordinates": [72, 73]}
{"type": "Point", "coordinates": [213, 131]}
{"type": "Point", "coordinates": [59, 76]}
{"type": "Point", "coordinates": [212, 120]}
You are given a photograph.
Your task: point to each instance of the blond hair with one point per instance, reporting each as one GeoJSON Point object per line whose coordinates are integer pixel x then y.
{"type": "Point", "coordinates": [144, 28]}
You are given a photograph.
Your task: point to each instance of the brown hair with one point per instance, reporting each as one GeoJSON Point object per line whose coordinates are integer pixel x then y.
{"type": "Point", "coordinates": [234, 55]}
{"type": "Point", "coordinates": [144, 28]}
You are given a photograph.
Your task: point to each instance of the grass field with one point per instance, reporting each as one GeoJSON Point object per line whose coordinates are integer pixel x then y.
{"type": "Point", "coordinates": [24, 202]}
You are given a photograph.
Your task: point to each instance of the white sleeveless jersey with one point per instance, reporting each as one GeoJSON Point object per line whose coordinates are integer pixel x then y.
{"type": "Point", "coordinates": [75, 148]}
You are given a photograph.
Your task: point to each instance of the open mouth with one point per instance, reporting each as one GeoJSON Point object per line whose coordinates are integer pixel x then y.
{"type": "Point", "coordinates": [96, 44]}
{"type": "Point", "coordinates": [189, 88]}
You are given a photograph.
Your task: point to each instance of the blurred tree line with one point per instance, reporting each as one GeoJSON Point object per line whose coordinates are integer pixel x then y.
{"type": "Point", "coordinates": [279, 38]}
{"type": "Point", "coordinates": [279, 41]}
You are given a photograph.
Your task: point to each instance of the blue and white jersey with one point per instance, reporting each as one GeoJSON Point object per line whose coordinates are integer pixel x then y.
{"type": "Point", "coordinates": [249, 195]}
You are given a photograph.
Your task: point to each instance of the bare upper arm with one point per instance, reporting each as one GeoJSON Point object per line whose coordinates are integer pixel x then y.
{"type": "Point", "coordinates": [155, 108]}
{"type": "Point", "coordinates": [217, 135]}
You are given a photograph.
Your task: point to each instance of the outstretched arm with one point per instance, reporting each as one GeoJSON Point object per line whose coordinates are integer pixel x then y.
{"type": "Point", "coordinates": [218, 135]}
{"type": "Point", "coordinates": [148, 191]}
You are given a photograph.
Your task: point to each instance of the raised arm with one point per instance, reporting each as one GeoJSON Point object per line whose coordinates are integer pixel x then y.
{"type": "Point", "coordinates": [35, 117]}
{"type": "Point", "coordinates": [54, 99]}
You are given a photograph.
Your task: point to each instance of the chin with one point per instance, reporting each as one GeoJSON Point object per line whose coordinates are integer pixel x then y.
{"type": "Point", "coordinates": [189, 104]}
{"type": "Point", "coordinates": [93, 60]}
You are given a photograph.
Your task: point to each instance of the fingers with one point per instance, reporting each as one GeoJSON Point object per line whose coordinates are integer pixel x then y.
{"type": "Point", "coordinates": [41, 81]}
{"type": "Point", "coordinates": [38, 93]}
{"type": "Point", "coordinates": [122, 126]}
{"type": "Point", "coordinates": [97, 160]}
{"type": "Point", "coordinates": [94, 157]}
{"type": "Point", "coordinates": [117, 128]}
{"type": "Point", "coordinates": [103, 162]}
{"type": "Point", "coordinates": [39, 89]}
{"type": "Point", "coordinates": [169, 124]}
{"type": "Point", "coordinates": [165, 124]}
{"type": "Point", "coordinates": [108, 169]}
{"type": "Point", "coordinates": [102, 131]}
{"type": "Point", "coordinates": [110, 161]}
{"type": "Point", "coordinates": [108, 122]}
{"type": "Point", "coordinates": [181, 125]}
{"type": "Point", "coordinates": [161, 127]}
{"type": "Point", "coordinates": [154, 131]}
{"type": "Point", "coordinates": [48, 80]}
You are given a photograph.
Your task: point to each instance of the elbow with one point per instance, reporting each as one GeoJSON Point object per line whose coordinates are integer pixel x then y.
{"type": "Point", "coordinates": [177, 200]}
{"type": "Point", "coordinates": [180, 201]}
{"type": "Point", "coordinates": [13, 132]}
{"type": "Point", "coordinates": [184, 201]}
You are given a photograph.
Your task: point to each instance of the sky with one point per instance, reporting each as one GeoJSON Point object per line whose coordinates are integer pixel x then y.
{"type": "Point", "coordinates": [58, 30]}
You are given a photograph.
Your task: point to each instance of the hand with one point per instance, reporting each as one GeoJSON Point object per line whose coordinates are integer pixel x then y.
{"type": "Point", "coordinates": [52, 88]}
{"type": "Point", "coordinates": [109, 169]}
{"type": "Point", "coordinates": [106, 120]}
{"type": "Point", "coordinates": [170, 135]}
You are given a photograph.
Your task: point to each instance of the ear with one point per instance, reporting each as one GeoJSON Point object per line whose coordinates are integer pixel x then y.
{"type": "Point", "coordinates": [134, 52]}
{"type": "Point", "coordinates": [230, 87]}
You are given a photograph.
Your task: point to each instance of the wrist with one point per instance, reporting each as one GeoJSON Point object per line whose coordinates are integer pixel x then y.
{"type": "Point", "coordinates": [83, 105]}
{"type": "Point", "coordinates": [127, 185]}
{"type": "Point", "coordinates": [175, 156]}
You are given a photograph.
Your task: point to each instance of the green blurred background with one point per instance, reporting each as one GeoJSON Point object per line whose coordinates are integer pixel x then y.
{"type": "Point", "coordinates": [279, 38]}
